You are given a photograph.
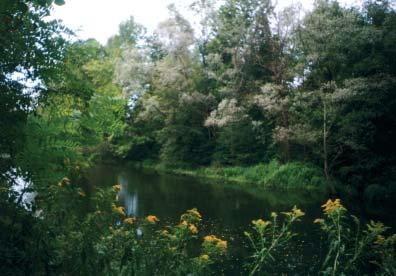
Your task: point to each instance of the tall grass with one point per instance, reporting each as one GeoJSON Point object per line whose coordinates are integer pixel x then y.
{"type": "Point", "coordinates": [293, 175]}
{"type": "Point", "coordinates": [288, 176]}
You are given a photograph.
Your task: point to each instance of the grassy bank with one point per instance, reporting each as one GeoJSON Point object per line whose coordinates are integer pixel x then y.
{"type": "Point", "coordinates": [288, 176]}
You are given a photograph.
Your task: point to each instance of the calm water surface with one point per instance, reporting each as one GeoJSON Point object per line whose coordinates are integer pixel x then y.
{"type": "Point", "coordinates": [227, 211]}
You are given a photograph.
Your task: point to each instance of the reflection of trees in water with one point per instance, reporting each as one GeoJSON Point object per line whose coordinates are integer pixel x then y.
{"type": "Point", "coordinates": [129, 198]}
{"type": "Point", "coordinates": [227, 210]}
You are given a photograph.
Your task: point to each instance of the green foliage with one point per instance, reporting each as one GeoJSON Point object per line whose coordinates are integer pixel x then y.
{"type": "Point", "coordinates": [365, 130]}
{"type": "Point", "coordinates": [320, 90]}
{"type": "Point", "coordinates": [184, 138]}
{"type": "Point", "coordinates": [238, 144]}
{"type": "Point", "coordinates": [351, 249]}
{"type": "Point", "coordinates": [31, 48]}
{"type": "Point", "coordinates": [242, 44]}
{"type": "Point", "coordinates": [268, 237]}
{"type": "Point", "coordinates": [52, 147]}
{"type": "Point", "coordinates": [129, 34]}
{"type": "Point", "coordinates": [315, 89]}
{"type": "Point", "coordinates": [76, 75]}
{"type": "Point", "coordinates": [103, 124]}
{"type": "Point", "coordinates": [291, 175]}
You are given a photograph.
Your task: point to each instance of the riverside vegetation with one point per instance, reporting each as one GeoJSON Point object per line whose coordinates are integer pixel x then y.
{"type": "Point", "coordinates": [280, 98]}
{"type": "Point", "coordinates": [287, 176]}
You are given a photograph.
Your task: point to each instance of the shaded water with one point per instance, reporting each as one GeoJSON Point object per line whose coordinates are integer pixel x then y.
{"type": "Point", "coordinates": [227, 211]}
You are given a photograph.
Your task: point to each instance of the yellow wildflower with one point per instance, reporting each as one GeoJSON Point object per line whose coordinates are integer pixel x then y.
{"type": "Point", "coordinates": [222, 245]}
{"type": "Point", "coordinates": [152, 219]}
{"type": "Point", "coordinates": [184, 223]}
{"type": "Point", "coordinates": [330, 206]}
{"type": "Point", "coordinates": [195, 212]}
{"type": "Point", "coordinates": [191, 216]}
{"type": "Point", "coordinates": [274, 215]}
{"type": "Point", "coordinates": [120, 210]}
{"type": "Point", "coordinates": [129, 221]}
{"type": "Point", "coordinates": [204, 257]}
{"type": "Point", "coordinates": [117, 188]}
{"type": "Point", "coordinates": [219, 243]}
{"type": "Point", "coordinates": [210, 238]}
{"type": "Point", "coordinates": [261, 223]}
{"type": "Point", "coordinates": [193, 229]}
{"type": "Point", "coordinates": [297, 212]}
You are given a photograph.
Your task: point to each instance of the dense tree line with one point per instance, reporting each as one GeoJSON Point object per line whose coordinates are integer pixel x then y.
{"type": "Point", "coordinates": [256, 84]}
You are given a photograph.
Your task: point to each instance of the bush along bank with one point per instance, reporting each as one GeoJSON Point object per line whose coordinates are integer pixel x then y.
{"type": "Point", "coordinates": [287, 176]}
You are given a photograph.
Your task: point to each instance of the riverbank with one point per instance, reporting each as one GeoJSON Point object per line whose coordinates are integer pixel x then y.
{"type": "Point", "coordinates": [288, 176]}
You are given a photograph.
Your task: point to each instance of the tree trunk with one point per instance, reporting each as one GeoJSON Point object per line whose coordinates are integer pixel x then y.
{"type": "Point", "coordinates": [325, 150]}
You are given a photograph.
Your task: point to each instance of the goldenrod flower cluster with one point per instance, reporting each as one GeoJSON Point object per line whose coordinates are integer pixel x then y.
{"type": "Point", "coordinates": [193, 229]}
{"type": "Point", "coordinates": [189, 219]}
{"type": "Point", "coordinates": [129, 221]}
{"type": "Point", "coordinates": [204, 258]}
{"type": "Point", "coordinates": [191, 216]}
{"type": "Point", "coordinates": [195, 213]}
{"type": "Point", "coordinates": [220, 244]}
{"type": "Point", "coordinates": [152, 219]}
{"type": "Point", "coordinates": [297, 212]}
{"type": "Point", "coordinates": [184, 224]}
{"type": "Point", "coordinates": [117, 188]}
{"type": "Point", "coordinates": [331, 206]}
{"type": "Point", "coordinates": [261, 224]}
{"type": "Point", "coordinates": [119, 210]}
{"type": "Point", "coordinates": [211, 238]}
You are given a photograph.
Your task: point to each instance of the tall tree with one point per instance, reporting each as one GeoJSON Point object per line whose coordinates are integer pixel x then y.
{"type": "Point", "coordinates": [241, 46]}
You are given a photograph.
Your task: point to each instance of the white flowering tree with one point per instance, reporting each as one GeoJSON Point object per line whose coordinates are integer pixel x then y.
{"type": "Point", "coordinates": [237, 140]}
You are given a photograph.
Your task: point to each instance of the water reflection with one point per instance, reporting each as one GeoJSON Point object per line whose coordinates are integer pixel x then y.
{"type": "Point", "coordinates": [227, 210]}
{"type": "Point", "coordinates": [129, 197]}
{"type": "Point", "coordinates": [167, 196]}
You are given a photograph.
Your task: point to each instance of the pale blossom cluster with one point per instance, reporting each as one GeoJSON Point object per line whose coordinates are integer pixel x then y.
{"type": "Point", "coordinates": [227, 112]}
{"type": "Point", "coordinates": [196, 97]}
{"type": "Point", "coordinates": [176, 33]}
{"type": "Point", "coordinates": [133, 71]}
{"type": "Point", "coordinates": [271, 98]}
{"type": "Point", "coordinates": [151, 108]}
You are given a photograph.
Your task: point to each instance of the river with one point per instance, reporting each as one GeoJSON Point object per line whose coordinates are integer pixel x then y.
{"type": "Point", "coordinates": [227, 211]}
